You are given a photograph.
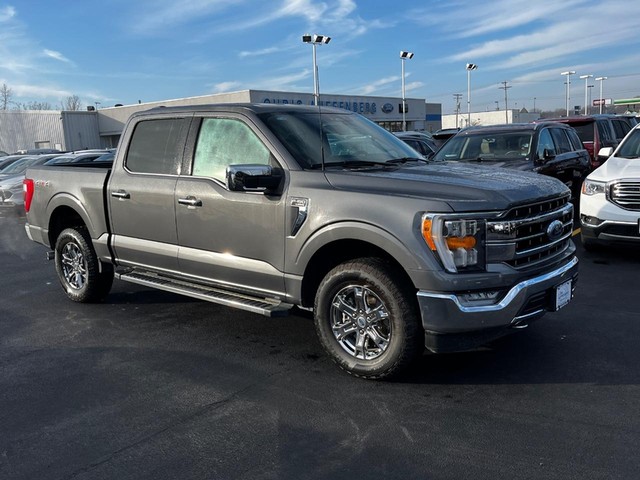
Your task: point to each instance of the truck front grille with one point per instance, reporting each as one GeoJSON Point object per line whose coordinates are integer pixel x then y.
{"type": "Point", "coordinates": [626, 195]}
{"type": "Point", "coordinates": [530, 235]}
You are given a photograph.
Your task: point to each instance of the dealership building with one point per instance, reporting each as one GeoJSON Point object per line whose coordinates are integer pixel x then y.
{"type": "Point", "coordinates": [77, 130]}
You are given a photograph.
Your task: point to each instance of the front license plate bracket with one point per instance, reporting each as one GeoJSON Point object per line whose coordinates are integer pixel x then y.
{"type": "Point", "coordinates": [562, 295]}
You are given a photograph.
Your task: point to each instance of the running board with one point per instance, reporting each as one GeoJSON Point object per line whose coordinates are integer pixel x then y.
{"type": "Point", "coordinates": [263, 306]}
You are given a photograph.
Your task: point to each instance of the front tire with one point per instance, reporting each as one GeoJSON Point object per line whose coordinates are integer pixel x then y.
{"type": "Point", "coordinates": [366, 319]}
{"type": "Point", "coordinates": [82, 276]}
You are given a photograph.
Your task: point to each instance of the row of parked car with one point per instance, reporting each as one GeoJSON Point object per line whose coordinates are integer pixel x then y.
{"type": "Point", "coordinates": [571, 149]}
{"type": "Point", "coordinates": [13, 168]}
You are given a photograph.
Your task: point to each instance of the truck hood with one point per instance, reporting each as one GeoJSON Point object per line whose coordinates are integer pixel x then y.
{"type": "Point", "coordinates": [617, 168]}
{"type": "Point", "coordinates": [464, 188]}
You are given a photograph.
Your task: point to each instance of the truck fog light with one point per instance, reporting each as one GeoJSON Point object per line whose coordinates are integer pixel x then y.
{"type": "Point", "coordinates": [587, 220]}
{"type": "Point", "coordinates": [481, 298]}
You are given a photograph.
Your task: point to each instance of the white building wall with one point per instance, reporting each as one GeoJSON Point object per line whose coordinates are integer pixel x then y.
{"type": "Point", "coordinates": [28, 129]}
{"type": "Point", "coordinates": [494, 117]}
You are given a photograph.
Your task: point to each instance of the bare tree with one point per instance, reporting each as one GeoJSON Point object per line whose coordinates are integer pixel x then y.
{"type": "Point", "coordinates": [34, 106]}
{"type": "Point", "coordinates": [5, 97]}
{"type": "Point", "coordinates": [73, 103]}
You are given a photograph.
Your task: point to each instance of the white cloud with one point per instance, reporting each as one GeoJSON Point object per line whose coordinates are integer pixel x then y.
{"type": "Point", "coordinates": [283, 82]}
{"type": "Point", "coordinates": [160, 14]}
{"type": "Point", "coordinates": [224, 87]}
{"type": "Point", "coordinates": [38, 91]}
{"type": "Point", "coordinates": [56, 56]}
{"type": "Point", "coordinates": [7, 13]}
{"type": "Point", "coordinates": [376, 85]}
{"type": "Point", "coordinates": [258, 53]}
{"type": "Point", "coordinates": [564, 33]}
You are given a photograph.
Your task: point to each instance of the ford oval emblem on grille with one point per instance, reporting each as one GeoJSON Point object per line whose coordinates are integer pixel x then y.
{"type": "Point", "coordinates": [554, 230]}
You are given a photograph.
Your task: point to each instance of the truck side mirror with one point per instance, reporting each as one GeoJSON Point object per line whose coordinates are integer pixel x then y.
{"type": "Point", "coordinates": [253, 178]}
{"type": "Point", "coordinates": [605, 153]}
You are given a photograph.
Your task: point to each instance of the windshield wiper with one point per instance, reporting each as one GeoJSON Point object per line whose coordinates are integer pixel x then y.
{"type": "Point", "coordinates": [349, 163]}
{"type": "Point", "coordinates": [407, 159]}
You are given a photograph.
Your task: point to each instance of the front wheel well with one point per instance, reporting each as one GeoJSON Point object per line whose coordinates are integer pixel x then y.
{"type": "Point", "coordinates": [340, 251]}
{"type": "Point", "coordinates": [62, 218]}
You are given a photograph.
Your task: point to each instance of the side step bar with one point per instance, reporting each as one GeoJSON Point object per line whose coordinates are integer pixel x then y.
{"type": "Point", "coordinates": [263, 306]}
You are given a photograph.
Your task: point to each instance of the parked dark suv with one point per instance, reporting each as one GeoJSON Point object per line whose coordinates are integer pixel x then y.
{"type": "Point", "coordinates": [549, 148]}
{"type": "Point", "coordinates": [597, 131]}
{"type": "Point", "coordinates": [419, 141]}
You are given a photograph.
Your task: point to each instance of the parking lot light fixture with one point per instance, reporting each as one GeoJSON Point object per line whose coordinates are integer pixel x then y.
{"type": "Point", "coordinates": [601, 80]}
{"type": "Point", "coordinates": [568, 74]}
{"type": "Point", "coordinates": [586, 92]}
{"type": "Point", "coordinates": [470, 67]}
{"type": "Point", "coordinates": [315, 40]}
{"type": "Point", "coordinates": [404, 56]}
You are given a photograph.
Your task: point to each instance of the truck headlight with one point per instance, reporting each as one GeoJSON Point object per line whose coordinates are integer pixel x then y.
{"type": "Point", "coordinates": [458, 242]}
{"type": "Point", "coordinates": [591, 187]}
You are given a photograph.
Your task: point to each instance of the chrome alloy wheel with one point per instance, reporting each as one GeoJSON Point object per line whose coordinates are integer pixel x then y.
{"type": "Point", "coordinates": [360, 322]}
{"type": "Point", "coordinates": [74, 266]}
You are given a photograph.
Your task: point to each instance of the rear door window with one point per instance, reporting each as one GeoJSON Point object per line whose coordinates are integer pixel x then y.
{"type": "Point", "coordinates": [621, 128]}
{"type": "Point", "coordinates": [604, 131]}
{"type": "Point", "coordinates": [561, 140]}
{"type": "Point", "coordinates": [156, 147]}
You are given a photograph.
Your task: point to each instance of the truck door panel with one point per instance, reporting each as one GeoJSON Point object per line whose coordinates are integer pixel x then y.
{"type": "Point", "coordinates": [228, 237]}
{"type": "Point", "coordinates": [141, 195]}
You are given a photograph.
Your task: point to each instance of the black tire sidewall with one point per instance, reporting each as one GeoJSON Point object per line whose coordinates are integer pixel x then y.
{"type": "Point", "coordinates": [376, 276]}
{"type": "Point", "coordinates": [97, 285]}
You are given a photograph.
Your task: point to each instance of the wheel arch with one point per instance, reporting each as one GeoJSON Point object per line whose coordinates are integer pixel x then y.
{"type": "Point", "coordinates": [339, 251]}
{"type": "Point", "coordinates": [66, 211]}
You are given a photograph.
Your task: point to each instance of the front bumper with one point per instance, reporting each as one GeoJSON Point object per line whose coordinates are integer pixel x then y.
{"type": "Point", "coordinates": [451, 325]}
{"type": "Point", "coordinates": [605, 222]}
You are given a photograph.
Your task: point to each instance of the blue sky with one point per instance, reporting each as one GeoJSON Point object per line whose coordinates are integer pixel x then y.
{"type": "Point", "coordinates": [122, 51]}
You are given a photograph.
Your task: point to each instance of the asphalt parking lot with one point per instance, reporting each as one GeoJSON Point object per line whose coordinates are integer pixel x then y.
{"type": "Point", "coordinates": [153, 385]}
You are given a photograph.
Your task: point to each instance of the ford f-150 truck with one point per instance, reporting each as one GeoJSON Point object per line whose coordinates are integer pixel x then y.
{"type": "Point", "coordinates": [268, 207]}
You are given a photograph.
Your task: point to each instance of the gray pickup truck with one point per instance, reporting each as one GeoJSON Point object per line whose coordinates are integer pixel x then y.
{"type": "Point", "coordinates": [269, 207]}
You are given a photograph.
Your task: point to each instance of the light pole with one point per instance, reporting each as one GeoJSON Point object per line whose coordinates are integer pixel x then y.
{"type": "Point", "coordinates": [586, 92]}
{"type": "Point", "coordinates": [404, 56]}
{"type": "Point", "coordinates": [601, 80]}
{"type": "Point", "coordinates": [457, 97]}
{"type": "Point", "coordinates": [315, 40]}
{"type": "Point", "coordinates": [470, 66]}
{"type": "Point", "coordinates": [568, 84]}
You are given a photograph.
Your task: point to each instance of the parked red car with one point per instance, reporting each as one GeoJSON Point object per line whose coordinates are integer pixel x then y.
{"type": "Point", "coordinates": [596, 132]}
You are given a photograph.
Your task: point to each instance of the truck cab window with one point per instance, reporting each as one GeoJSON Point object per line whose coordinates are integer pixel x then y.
{"type": "Point", "coordinates": [223, 142]}
{"type": "Point", "coordinates": [154, 147]}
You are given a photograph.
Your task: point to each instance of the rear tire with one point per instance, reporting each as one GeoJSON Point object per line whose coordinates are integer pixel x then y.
{"type": "Point", "coordinates": [82, 276]}
{"type": "Point", "coordinates": [366, 319]}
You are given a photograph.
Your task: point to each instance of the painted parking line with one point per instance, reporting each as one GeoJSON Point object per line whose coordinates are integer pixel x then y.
{"type": "Point", "coordinates": [576, 232]}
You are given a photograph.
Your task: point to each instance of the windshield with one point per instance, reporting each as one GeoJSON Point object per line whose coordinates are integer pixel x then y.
{"type": "Point", "coordinates": [487, 146]}
{"type": "Point", "coordinates": [630, 148]}
{"type": "Point", "coordinates": [347, 139]}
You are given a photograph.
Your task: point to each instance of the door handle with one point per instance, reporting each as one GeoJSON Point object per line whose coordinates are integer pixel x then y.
{"type": "Point", "coordinates": [190, 202]}
{"type": "Point", "coordinates": [120, 194]}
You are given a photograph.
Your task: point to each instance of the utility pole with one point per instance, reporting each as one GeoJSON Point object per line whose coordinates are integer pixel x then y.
{"type": "Point", "coordinates": [457, 97]}
{"type": "Point", "coordinates": [506, 103]}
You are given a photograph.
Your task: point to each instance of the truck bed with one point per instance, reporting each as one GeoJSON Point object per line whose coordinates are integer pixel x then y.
{"type": "Point", "coordinates": [83, 184]}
